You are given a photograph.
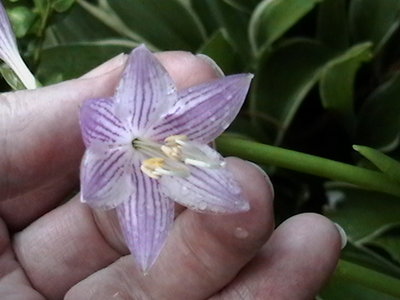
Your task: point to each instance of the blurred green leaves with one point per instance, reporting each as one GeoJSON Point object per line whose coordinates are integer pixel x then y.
{"type": "Point", "coordinates": [283, 81]}
{"type": "Point", "coordinates": [374, 21]}
{"type": "Point", "coordinates": [337, 80]}
{"type": "Point", "coordinates": [271, 19]}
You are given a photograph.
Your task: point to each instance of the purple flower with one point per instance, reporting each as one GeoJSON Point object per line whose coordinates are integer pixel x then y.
{"type": "Point", "coordinates": [9, 51]}
{"type": "Point", "coordinates": [147, 147]}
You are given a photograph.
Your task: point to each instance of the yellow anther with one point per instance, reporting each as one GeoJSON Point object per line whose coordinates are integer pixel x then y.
{"type": "Point", "coordinates": [174, 152]}
{"type": "Point", "coordinates": [154, 162]}
{"type": "Point", "coordinates": [173, 139]}
{"type": "Point", "coordinates": [150, 166]}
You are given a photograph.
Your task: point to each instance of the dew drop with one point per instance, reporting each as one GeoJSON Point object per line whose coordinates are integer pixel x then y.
{"type": "Point", "coordinates": [202, 205]}
{"type": "Point", "coordinates": [241, 233]}
{"type": "Point", "coordinates": [184, 191]}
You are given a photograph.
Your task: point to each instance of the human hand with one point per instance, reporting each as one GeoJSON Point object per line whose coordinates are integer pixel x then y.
{"type": "Point", "coordinates": [53, 251]}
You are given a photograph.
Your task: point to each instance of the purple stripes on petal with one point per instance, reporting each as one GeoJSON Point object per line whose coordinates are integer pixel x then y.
{"type": "Point", "coordinates": [145, 221]}
{"type": "Point", "coordinates": [99, 125]}
{"type": "Point", "coordinates": [146, 90]}
{"type": "Point", "coordinates": [203, 112]}
{"type": "Point", "coordinates": [206, 190]}
{"type": "Point", "coordinates": [106, 179]}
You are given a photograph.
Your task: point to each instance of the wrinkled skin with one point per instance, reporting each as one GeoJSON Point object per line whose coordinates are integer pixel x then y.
{"type": "Point", "coordinates": [52, 249]}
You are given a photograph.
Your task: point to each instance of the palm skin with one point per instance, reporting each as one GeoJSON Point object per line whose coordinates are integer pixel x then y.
{"type": "Point", "coordinates": [55, 250]}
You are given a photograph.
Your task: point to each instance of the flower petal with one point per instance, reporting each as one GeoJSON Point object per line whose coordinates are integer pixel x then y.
{"type": "Point", "coordinates": [206, 190]}
{"type": "Point", "coordinates": [145, 221]}
{"type": "Point", "coordinates": [203, 112]}
{"type": "Point", "coordinates": [9, 51]}
{"type": "Point", "coordinates": [106, 179]}
{"type": "Point", "coordinates": [100, 126]}
{"type": "Point", "coordinates": [146, 90]}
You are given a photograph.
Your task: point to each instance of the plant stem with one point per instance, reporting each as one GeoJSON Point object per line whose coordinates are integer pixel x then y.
{"type": "Point", "coordinates": [369, 278]}
{"type": "Point", "coordinates": [306, 163]}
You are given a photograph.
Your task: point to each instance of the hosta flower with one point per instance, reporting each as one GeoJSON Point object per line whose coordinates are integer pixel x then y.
{"type": "Point", "coordinates": [9, 51]}
{"type": "Point", "coordinates": [147, 147]}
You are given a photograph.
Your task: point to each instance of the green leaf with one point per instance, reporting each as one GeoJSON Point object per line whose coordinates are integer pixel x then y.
{"type": "Point", "coordinates": [62, 5]}
{"type": "Point", "coordinates": [337, 81]}
{"type": "Point", "coordinates": [205, 14]}
{"type": "Point", "coordinates": [221, 51]}
{"type": "Point", "coordinates": [22, 19]}
{"type": "Point", "coordinates": [65, 30]}
{"type": "Point", "coordinates": [374, 21]}
{"type": "Point", "coordinates": [390, 242]}
{"type": "Point", "coordinates": [342, 288]}
{"type": "Point", "coordinates": [362, 214]}
{"type": "Point", "coordinates": [235, 23]}
{"type": "Point", "coordinates": [283, 81]}
{"type": "Point", "coordinates": [272, 18]}
{"type": "Point", "coordinates": [165, 24]}
{"type": "Point", "coordinates": [366, 257]}
{"type": "Point", "coordinates": [378, 123]}
{"type": "Point", "coordinates": [386, 164]}
{"type": "Point", "coordinates": [332, 27]}
{"type": "Point", "coordinates": [70, 61]}
{"type": "Point", "coordinates": [244, 5]}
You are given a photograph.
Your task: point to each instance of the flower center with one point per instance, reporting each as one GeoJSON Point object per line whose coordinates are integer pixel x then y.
{"type": "Point", "coordinates": [173, 157]}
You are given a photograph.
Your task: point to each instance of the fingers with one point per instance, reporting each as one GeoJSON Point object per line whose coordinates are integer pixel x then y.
{"type": "Point", "coordinates": [39, 129]}
{"type": "Point", "coordinates": [202, 254]}
{"type": "Point", "coordinates": [22, 210]}
{"type": "Point", "coordinates": [296, 262]}
{"type": "Point", "coordinates": [61, 248]}
{"type": "Point", "coordinates": [13, 282]}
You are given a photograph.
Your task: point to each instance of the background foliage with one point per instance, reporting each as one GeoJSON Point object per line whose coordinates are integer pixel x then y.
{"type": "Point", "coordinates": [327, 77]}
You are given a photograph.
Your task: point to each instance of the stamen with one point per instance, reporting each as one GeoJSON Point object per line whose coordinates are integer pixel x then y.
{"type": "Point", "coordinates": [175, 140]}
{"type": "Point", "coordinates": [151, 166]}
{"type": "Point", "coordinates": [174, 152]}
{"type": "Point", "coordinates": [157, 166]}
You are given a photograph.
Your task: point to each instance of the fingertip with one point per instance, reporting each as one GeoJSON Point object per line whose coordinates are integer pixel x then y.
{"type": "Point", "coordinates": [317, 230]}
{"type": "Point", "coordinates": [186, 68]}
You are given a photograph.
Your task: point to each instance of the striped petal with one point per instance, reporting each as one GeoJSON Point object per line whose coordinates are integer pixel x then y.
{"type": "Point", "coordinates": [106, 178]}
{"type": "Point", "coordinates": [9, 51]}
{"type": "Point", "coordinates": [206, 190]}
{"type": "Point", "coordinates": [203, 112]}
{"type": "Point", "coordinates": [145, 221]}
{"type": "Point", "coordinates": [99, 125]}
{"type": "Point", "coordinates": [145, 92]}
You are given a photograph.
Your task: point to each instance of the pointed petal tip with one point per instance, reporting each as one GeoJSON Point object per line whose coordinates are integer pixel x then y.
{"type": "Point", "coordinates": [146, 265]}
{"type": "Point", "coordinates": [246, 77]}
{"type": "Point", "coordinates": [141, 49]}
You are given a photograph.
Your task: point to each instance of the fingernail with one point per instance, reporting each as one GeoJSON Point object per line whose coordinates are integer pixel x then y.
{"type": "Point", "coordinates": [211, 63]}
{"type": "Point", "coordinates": [261, 170]}
{"type": "Point", "coordinates": [343, 235]}
{"type": "Point", "coordinates": [112, 64]}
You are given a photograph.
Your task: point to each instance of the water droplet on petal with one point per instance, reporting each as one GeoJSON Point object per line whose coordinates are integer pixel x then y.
{"type": "Point", "coordinates": [241, 233]}
{"type": "Point", "coordinates": [185, 191]}
{"type": "Point", "coordinates": [202, 206]}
